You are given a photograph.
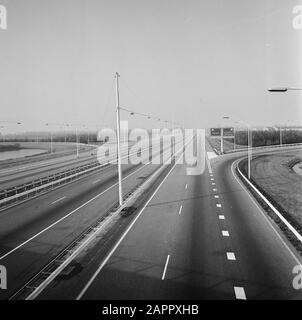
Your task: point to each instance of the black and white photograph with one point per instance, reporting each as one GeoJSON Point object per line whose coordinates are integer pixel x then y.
{"type": "Point", "coordinates": [150, 156]}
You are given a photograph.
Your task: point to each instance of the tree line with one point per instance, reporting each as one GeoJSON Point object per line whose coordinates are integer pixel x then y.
{"type": "Point", "coordinates": [268, 137]}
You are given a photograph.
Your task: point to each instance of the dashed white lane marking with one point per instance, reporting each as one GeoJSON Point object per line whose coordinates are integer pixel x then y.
{"type": "Point", "coordinates": [231, 256]}
{"type": "Point", "coordinates": [165, 269]}
{"type": "Point", "coordinates": [209, 163]}
{"type": "Point", "coordinates": [58, 200]}
{"type": "Point", "coordinates": [225, 233]}
{"type": "Point", "coordinates": [186, 187]}
{"type": "Point", "coordinates": [211, 155]}
{"type": "Point", "coordinates": [179, 212]}
{"type": "Point", "coordinates": [221, 217]}
{"type": "Point", "coordinates": [240, 293]}
{"type": "Point", "coordinates": [213, 183]}
{"type": "Point", "coordinates": [96, 181]}
{"type": "Point", "coordinates": [214, 189]}
{"type": "Point", "coordinates": [218, 205]}
{"type": "Point", "coordinates": [216, 197]}
{"type": "Point", "coordinates": [212, 179]}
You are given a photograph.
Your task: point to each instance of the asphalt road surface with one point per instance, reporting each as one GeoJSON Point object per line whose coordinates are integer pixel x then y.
{"type": "Point", "coordinates": [198, 237]}
{"type": "Point", "coordinates": [32, 233]}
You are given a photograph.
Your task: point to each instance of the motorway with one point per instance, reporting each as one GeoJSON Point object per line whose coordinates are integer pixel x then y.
{"type": "Point", "coordinates": [35, 231]}
{"type": "Point", "coordinates": [197, 237]}
{"type": "Point", "coordinates": [24, 173]}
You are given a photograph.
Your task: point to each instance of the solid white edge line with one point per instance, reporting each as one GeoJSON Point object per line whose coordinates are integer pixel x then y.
{"type": "Point", "coordinates": [262, 212]}
{"type": "Point", "coordinates": [165, 268]}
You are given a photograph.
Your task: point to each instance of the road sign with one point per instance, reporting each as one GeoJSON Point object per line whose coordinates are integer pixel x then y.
{"type": "Point", "coordinates": [215, 132]}
{"type": "Point", "coordinates": [228, 132]}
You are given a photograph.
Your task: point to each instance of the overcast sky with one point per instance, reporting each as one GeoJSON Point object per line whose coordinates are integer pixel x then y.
{"type": "Point", "coordinates": [193, 61]}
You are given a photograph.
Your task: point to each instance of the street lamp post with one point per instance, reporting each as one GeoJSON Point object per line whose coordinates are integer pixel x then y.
{"type": "Point", "coordinates": [249, 151]}
{"type": "Point", "coordinates": [87, 128]}
{"type": "Point", "coordinates": [76, 137]}
{"type": "Point", "coordinates": [118, 128]}
{"type": "Point", "coordinates": [66, 132]}
{"type": "Point", "coordinates": [284, 89]}
{"type": "Point", "coordinates": [3, 133]}
{"type": "Point", "coordinates": [51, 146]}
{"type": "Point", "coordinates": [77, 140]}
{"type": "Point", "coordinates": [221, 140]}
{"type": "Point", "coordinates": [3, 127]}
{"type": "Point", "coordinates": [249, 145]}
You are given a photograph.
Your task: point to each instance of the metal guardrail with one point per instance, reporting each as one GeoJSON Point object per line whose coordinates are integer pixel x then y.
{"type": "Point", "coordinates": [66, 255]}
{"type": "Point", "coordinates": [294, 231]}
{"type": "Point", "coordinates": [38, 282]}
{"type": "Point", "coordinates": [22, 192]}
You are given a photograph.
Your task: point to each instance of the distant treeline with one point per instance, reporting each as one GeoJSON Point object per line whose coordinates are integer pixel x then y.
{"type": "Point", "coordinates": [10, 147]}
{"type": "Point", "coordinates": [82, 138]}
{"type": "Point", "coordinates": [268, 137]}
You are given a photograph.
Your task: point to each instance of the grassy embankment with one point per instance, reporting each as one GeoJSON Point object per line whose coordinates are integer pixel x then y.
{"type": "Point", "coordinates": [274, 176]}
